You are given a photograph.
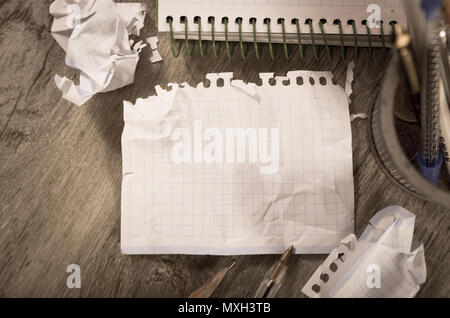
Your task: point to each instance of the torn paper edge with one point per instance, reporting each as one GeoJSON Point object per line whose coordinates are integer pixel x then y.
{"type": "Point", "coordinates": [346, 258]}
{"type": "Point", "coordinates": [349, 79]}
{"type": "Point", "coordinates": [250, 88]}
{"type": "Point", "coordinates": [344, 272]}
{"type": "Point", "coordinates": [153, 42]}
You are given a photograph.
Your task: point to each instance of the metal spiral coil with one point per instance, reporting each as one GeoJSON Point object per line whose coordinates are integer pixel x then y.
{"type": "Point", "coordinates": [430, 113]}
{"type": "Point", "coordinates": [385, 145]}
{"type": "Point", "coordinates": [239, 21]}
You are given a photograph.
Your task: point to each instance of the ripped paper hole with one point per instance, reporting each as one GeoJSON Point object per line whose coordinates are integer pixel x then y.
{"type": "Point", "coordinates": [382, 263]}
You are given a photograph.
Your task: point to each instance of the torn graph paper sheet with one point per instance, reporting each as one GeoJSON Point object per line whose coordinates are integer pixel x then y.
{"type": "Point", "coordinates": [94, 35]}
{"type": "Point", "coordinates": [382, 263]}
{"type": "Point", "coordinates": [238, 169]}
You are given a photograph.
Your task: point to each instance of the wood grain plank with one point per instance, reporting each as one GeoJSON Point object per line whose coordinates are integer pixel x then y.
{"type": "Point", "coordinates": [60, 177]}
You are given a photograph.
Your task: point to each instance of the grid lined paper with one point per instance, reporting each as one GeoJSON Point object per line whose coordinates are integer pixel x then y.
{"type": "Point", "coordinates": [224, 208]}
{"type": "Point", "coordinates": [394, 282]}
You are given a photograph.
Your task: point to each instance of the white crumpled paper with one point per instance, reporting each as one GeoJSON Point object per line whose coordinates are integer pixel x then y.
{"type": "Point", "coordinates": [94, 34]}
{"type": "Point", "coordinates": [382, 263]}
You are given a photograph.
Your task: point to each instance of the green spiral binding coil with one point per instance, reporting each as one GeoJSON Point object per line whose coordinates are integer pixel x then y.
{"type": "Point", "coordinates": [299, 38]}
{"type": "Point", "coordinates": [283, 31]}
{"type": "Point", "coordinates": [239, 22]}
{"type": "Point", "coordinates": [341, 37]}
{"type": "Point", "coordinates": [200, 43]}
{"type": "Point", "coordinates": [313, 40]}
{"type": "Point", "coordinates": [324, 38]}
{"type": "Point", "coordinates": [369, 40]}
{"type": "Point", "coordinates": [255, 43]}
{"type": "Point", "coordinates": [230, 51]}
{"type": "Point", "coordinates": [213, 39]}
{"type": "Point", "coordinates": [355, 37]}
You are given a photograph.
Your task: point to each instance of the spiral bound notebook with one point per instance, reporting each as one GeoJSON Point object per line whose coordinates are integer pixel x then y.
{"type": "Point", "coordinates": [329, 22]}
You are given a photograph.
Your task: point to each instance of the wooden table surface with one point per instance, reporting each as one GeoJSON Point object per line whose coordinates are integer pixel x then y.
{"type": "Point", "coordinates": [60, 173]}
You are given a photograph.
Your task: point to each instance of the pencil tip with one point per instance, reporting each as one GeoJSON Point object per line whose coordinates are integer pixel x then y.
{"type": "Point", "coordinates": [232, 264]}
{"type": "Point", "coordinates": [286, 254]}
